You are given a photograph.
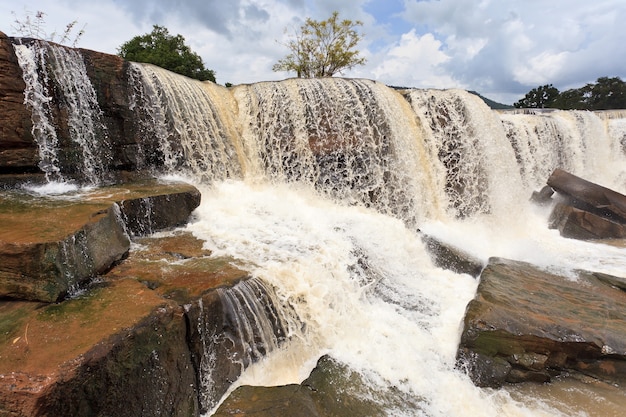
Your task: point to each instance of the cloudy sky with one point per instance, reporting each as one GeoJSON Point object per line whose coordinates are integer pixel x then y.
{"type": "Point", "coordinates": [500, 48]}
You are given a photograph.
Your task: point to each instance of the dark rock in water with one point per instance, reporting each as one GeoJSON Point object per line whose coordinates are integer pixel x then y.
{"type": "Point", "coordinates": [284, 400]}
{"type": "Point", "coordinates": [526, 324]}
{"type": "Point", "coordinates": [543, 196]}
{"type": "Point", "coordinates": [583, 210]}
{"type": "Point", "coordinates": [587, 196]}
{"type": "Point", "coordinates": [159, 209]}
{"type": "Point", "coordinates": [448, 257]}
{"type": "Point", "coordinates": [574, 223]}
{"type": "Point", "coordinates": [332, 390]}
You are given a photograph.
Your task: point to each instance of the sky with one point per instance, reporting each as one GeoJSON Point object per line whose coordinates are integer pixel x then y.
{"type": "Point", "coordinates": [499, 48]}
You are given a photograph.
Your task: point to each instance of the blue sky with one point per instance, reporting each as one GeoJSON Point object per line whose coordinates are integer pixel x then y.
{"type": "Point", "coordinates": [500, 48]}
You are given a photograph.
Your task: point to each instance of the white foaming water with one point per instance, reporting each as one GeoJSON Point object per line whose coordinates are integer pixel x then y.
{"type": "Point", "coordinates": [348, 257]}
{"type": "Point", "coordinates": [368, 293]}
{"type": "Point", "coordinates": [53, 188]}
{"type": "Point", "coordinates": [192, 123]}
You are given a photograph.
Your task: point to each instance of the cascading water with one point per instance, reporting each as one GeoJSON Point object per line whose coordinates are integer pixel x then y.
{"type": "Point", "coordinates": [47, 66]}
{"type": "Point", "coordinates": [326, 162]}
{"type": "Point", "coordinates": [191, 122]}
{"type": "Point", "coordinates": [37, 98]}
{"type": "Point", "coordinates": [317, 188]}
{"type": "Point", "coordinates": [356, 141]}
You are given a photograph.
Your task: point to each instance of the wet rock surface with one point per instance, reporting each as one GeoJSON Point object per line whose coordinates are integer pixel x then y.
{"type": "Point", "coordinates": [526, 324]}
{"type": "Point", "coordinates": [331, 390]}
{"type": "Point", "coordinates": [48, 245]}
{"type": "Point", "coordinates": [449, 257]}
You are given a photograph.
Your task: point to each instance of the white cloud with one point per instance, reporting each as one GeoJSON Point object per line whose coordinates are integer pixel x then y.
{"type": "Point", "coordinates": [415, 61]}
{"type": "Point", "coordinates": [501, 48]}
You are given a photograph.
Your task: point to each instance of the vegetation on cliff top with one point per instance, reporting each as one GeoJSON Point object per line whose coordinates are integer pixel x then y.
{"type": "Point", "coordinates": [167, 51]}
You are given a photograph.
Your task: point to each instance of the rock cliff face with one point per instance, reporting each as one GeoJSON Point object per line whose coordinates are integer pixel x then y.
{"type": "Point", "coordinates": [119, 136]}
{"type": "Point", "coordinates": [18, 152]}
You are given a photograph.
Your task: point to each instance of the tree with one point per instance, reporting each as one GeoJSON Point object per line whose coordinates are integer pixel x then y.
{"type": "Point", "coordinates": [34, 27]}
{"type": "Point", "coordinates": [323, 49]}
{"type": "Point", "coordinates": [605, 94]}
{"type": "Point", "coordinates": [170, 52]}
{"type": "Point", "coordinates": [539, 98]}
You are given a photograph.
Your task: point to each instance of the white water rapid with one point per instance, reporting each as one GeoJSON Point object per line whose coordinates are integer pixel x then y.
{"type": "Point", "coordinates": [338, 176]}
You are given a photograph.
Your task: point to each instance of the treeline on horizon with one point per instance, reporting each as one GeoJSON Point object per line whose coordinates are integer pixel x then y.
{"type": "Point", "coordinates": [605, 94]}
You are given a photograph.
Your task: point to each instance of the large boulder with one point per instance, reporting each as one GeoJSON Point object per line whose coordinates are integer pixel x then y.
{"type": "Point", "coordinates": [118, 350]}
{"type": "Point", "coordinates": [332, 389]}
{"type": "Point", "coordinates": [585, 210]}
{"type": "Point", "coordinates": [527, 324]}
{"type": "Point", "coordinates": [232, 319]}
{"type": "Point", "coordinates": [47, 249]}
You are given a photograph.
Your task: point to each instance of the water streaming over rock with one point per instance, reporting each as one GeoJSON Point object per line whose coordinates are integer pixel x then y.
{"type": "Point", "coordinates": [320, 186]}
{"type": "Point", "coordinates": [57, 82]}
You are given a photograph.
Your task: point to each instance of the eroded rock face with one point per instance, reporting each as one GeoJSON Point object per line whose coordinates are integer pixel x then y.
{"type": "Point", "coordinates": [18, 152]}
{"type": "Point", "coordinates": [526, 324]}
{"type": "Point", "coordinates": [156, 336]}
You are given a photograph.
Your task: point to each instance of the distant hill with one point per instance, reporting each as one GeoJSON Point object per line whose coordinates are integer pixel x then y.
{"type": "Point", "coordinates": [493, 104]}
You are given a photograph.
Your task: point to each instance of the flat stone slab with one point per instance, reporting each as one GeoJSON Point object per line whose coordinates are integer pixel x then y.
{"type": "Point", "coordinates": [527, 324]}
{"type": "Point", "coordinates": [91, 354]}
{"type": "Point", "coordinates": [50, 244]}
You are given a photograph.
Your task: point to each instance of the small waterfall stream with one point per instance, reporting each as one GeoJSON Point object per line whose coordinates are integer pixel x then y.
{"type": "Point", "coordinates": [48, 67]}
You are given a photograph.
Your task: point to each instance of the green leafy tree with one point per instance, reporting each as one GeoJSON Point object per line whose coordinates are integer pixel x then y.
{"type": "Point", "coordinates": [607, 93]}
{"type": "Point", "coordinates": [539, 98]}
{"type": "Point", "coordinates": [573, 99]}
{"type": "Point", "coordinates": [34, 26]}
{"type": "Point", "coordinates": [323, 48]}
{"type": "Point", "coordinates": [167, 51]}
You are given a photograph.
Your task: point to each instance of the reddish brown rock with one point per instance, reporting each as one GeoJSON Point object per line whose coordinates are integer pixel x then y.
{"type": "Point", "coordinates": [526, 324]}
{"type": "Point", "coordinates": [49, 244]}
{"type": "Point", "coordinates": [18, 151]}
{"type": "Point", "coordinates": [118, 350]}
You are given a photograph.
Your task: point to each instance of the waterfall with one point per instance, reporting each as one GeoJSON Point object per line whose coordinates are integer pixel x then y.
{"type": "Point", "coordinates": [354, 140]}
{"type": "Point", "coordinates": [191, 122]}
{"type": "Point", "coordinates": [317, 188]}
{"type": "Point", "coordinates": [49, 67]}
{"type": "Point", "coordinates": [253, 322]}
{"type": "Point", "coordinates": [37, 98]}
